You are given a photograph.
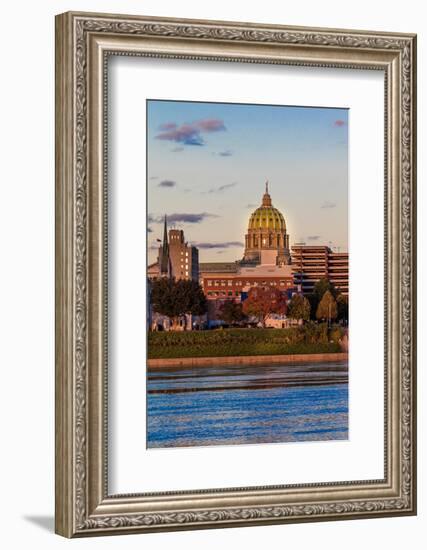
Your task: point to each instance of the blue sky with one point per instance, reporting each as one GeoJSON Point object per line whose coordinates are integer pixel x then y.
{"type": "Point", "coordinates": [208, 163]}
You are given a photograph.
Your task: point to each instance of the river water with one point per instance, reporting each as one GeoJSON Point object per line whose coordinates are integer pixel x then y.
{"type": "Point", "coordinates": [230, 405]}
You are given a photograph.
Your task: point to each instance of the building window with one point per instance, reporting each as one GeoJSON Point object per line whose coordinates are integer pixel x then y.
{"type": "Point", "coordinates": [230, 283]}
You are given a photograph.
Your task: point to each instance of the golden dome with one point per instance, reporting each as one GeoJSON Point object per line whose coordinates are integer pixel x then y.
{"type": "Point", "coordinates": [266, 216]}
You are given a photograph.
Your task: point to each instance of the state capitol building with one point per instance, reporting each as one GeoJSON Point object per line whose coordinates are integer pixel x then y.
{"type": "Point", "coordinates": [268, 261]}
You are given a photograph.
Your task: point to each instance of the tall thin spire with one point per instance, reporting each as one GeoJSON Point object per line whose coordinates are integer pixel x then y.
{"type": "Point", "coordinates": [266, 187]}
{"type": "Point", "coordinates": [164, 260]}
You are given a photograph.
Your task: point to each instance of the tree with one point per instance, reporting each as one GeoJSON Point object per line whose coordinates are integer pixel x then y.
{"type": "Point", "coordinates": [299, 308]}
{"type": "Point", "coordinates": [231, 313]}
{"type": "Point", "coordinates": [196, 299]}
{"type": "Point", "coordinates": [327, 308]}
{"type": "Point", "coordinates": [262, 302]}
{"type": "Point", "coordinates": [177, 298]}
{"type": "Point", "coordinates": [342, 308]}
{"type": "Point", "coordinates": [320, 287]}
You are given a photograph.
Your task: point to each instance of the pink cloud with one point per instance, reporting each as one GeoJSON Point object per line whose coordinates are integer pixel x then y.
{"type": "Point", "coordinates": [210, 125]}
{"type": "Point", "coordinates": [339, 123]}
{"type": "Point", "coordinates": [190, 134]}
{"type": "Point", "coordinates": [186, 134]}
{"type": "Point", "coordinates": [167, 126]}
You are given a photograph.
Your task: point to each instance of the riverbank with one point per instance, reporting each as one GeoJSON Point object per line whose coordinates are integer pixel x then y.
{"type": "Point", "coordinates": [311, 338]}
{"type": "Point", "coordinates": [154, 364]}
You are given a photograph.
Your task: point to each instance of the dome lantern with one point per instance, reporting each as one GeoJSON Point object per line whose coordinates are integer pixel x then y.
{"type": "Point", "coordinates": [266, 199]}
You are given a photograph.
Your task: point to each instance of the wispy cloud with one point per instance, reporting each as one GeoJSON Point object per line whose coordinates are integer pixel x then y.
{"type": "Point", "coordinates": [177, 149]}
{"type": "Point", "coordinates": [167, 126]}
{"type": "Point", "coordinates": [328, 204]}
{"type": "Point", "coordinates": [222, 188]}
{"type": "Point", "coordinates": [167, 183]}
{"type": "Point", "coordinates": [190, 133]}
{"type": "Point", "coordinates": [181, 218]}
{"type": "Point", "coordinates": [251, 205]}
{"type": "Point", "coordinates": [339, 123]}
{"type": "Point", "coordinates": [225, 244]}
{"type": "Point", "coordinates": [225, 153]}
{"type": "Point", "coordinates": [313, 237]}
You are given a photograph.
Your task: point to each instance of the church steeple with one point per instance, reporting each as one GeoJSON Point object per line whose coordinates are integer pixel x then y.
{"type": "Point", "coordinates": [164, 261]}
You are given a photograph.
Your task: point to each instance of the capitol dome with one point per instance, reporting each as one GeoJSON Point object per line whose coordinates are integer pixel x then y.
{"type": "Point", "coordinates": [266, 232]}
{"type": "Point", "coordinates": [267, 217]}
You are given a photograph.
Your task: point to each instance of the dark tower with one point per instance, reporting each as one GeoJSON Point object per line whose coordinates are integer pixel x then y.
{"type": "Point", "coordinates": [164, 253]}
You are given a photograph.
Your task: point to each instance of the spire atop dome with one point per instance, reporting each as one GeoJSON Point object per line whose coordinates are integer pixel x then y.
{"type": "Point", "coordinates": [266, 199]}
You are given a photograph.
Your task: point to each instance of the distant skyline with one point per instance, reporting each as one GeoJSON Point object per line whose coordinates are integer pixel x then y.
{"type": "Point", "coordinates": [207, 164]}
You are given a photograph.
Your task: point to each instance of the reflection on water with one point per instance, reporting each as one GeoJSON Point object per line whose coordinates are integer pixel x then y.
{"type": "Point", "coordinates": [228, 405]}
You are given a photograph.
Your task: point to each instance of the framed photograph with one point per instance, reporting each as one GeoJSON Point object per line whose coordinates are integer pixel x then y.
{"type": "Point", "coordinates": [235, 274]}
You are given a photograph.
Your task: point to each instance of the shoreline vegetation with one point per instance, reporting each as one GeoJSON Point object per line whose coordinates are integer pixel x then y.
{"type": "Point", "coordinates": [311, 339]}
{"type": "Point", "coordinates": [258, 360]}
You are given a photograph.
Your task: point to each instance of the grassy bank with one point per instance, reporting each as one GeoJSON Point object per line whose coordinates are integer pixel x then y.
{"type": "Point", "coordinates": [242, 342]}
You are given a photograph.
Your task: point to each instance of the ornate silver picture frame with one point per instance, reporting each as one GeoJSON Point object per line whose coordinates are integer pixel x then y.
{"type": "Point", "coordinates": [84, 505]}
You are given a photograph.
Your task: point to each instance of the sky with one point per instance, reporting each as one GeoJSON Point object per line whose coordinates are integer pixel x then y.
{"type": "Point", "coordinates": [207, 164]}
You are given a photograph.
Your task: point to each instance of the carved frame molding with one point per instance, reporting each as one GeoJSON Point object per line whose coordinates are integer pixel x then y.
{"type": "Point", "coordinates": [83, 43]}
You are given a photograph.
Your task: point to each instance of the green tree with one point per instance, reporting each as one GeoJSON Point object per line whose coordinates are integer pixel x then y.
{"type": "Point", "coordinates": [342, 308]}
{"type": "Point", "coordinates": [262, 302]}
{"type": "Point", "coordinates": [320, 287]}
{"type": "Point", "coordinates": [177, 298]}
{"type": "Point", "coordinates": [299, 308]}
{"type": "Point", "coordinates": [231, 313]}
{"type": "Point", "coordinates": [196, 299]}
{"type": "Point", "coordinates": [327, 308]}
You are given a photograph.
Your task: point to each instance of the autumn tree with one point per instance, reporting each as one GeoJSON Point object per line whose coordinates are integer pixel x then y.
{"type": "Point", "coordinates": [177, 298]}
{"type": "Point", "coordinates": [327, 308]}
{"type": "Point", "coordinates": [299, 308]}
{"type": "Point", "coordinates": [231, 313]}
{"type": "Point", "coordinates": [262, 302]}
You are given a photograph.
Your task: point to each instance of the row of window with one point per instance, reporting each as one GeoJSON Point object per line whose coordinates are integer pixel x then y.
{"type": "Point", "coordinates": [230, 282]}
{"type": "Point", "coordinates": [223, 293]}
